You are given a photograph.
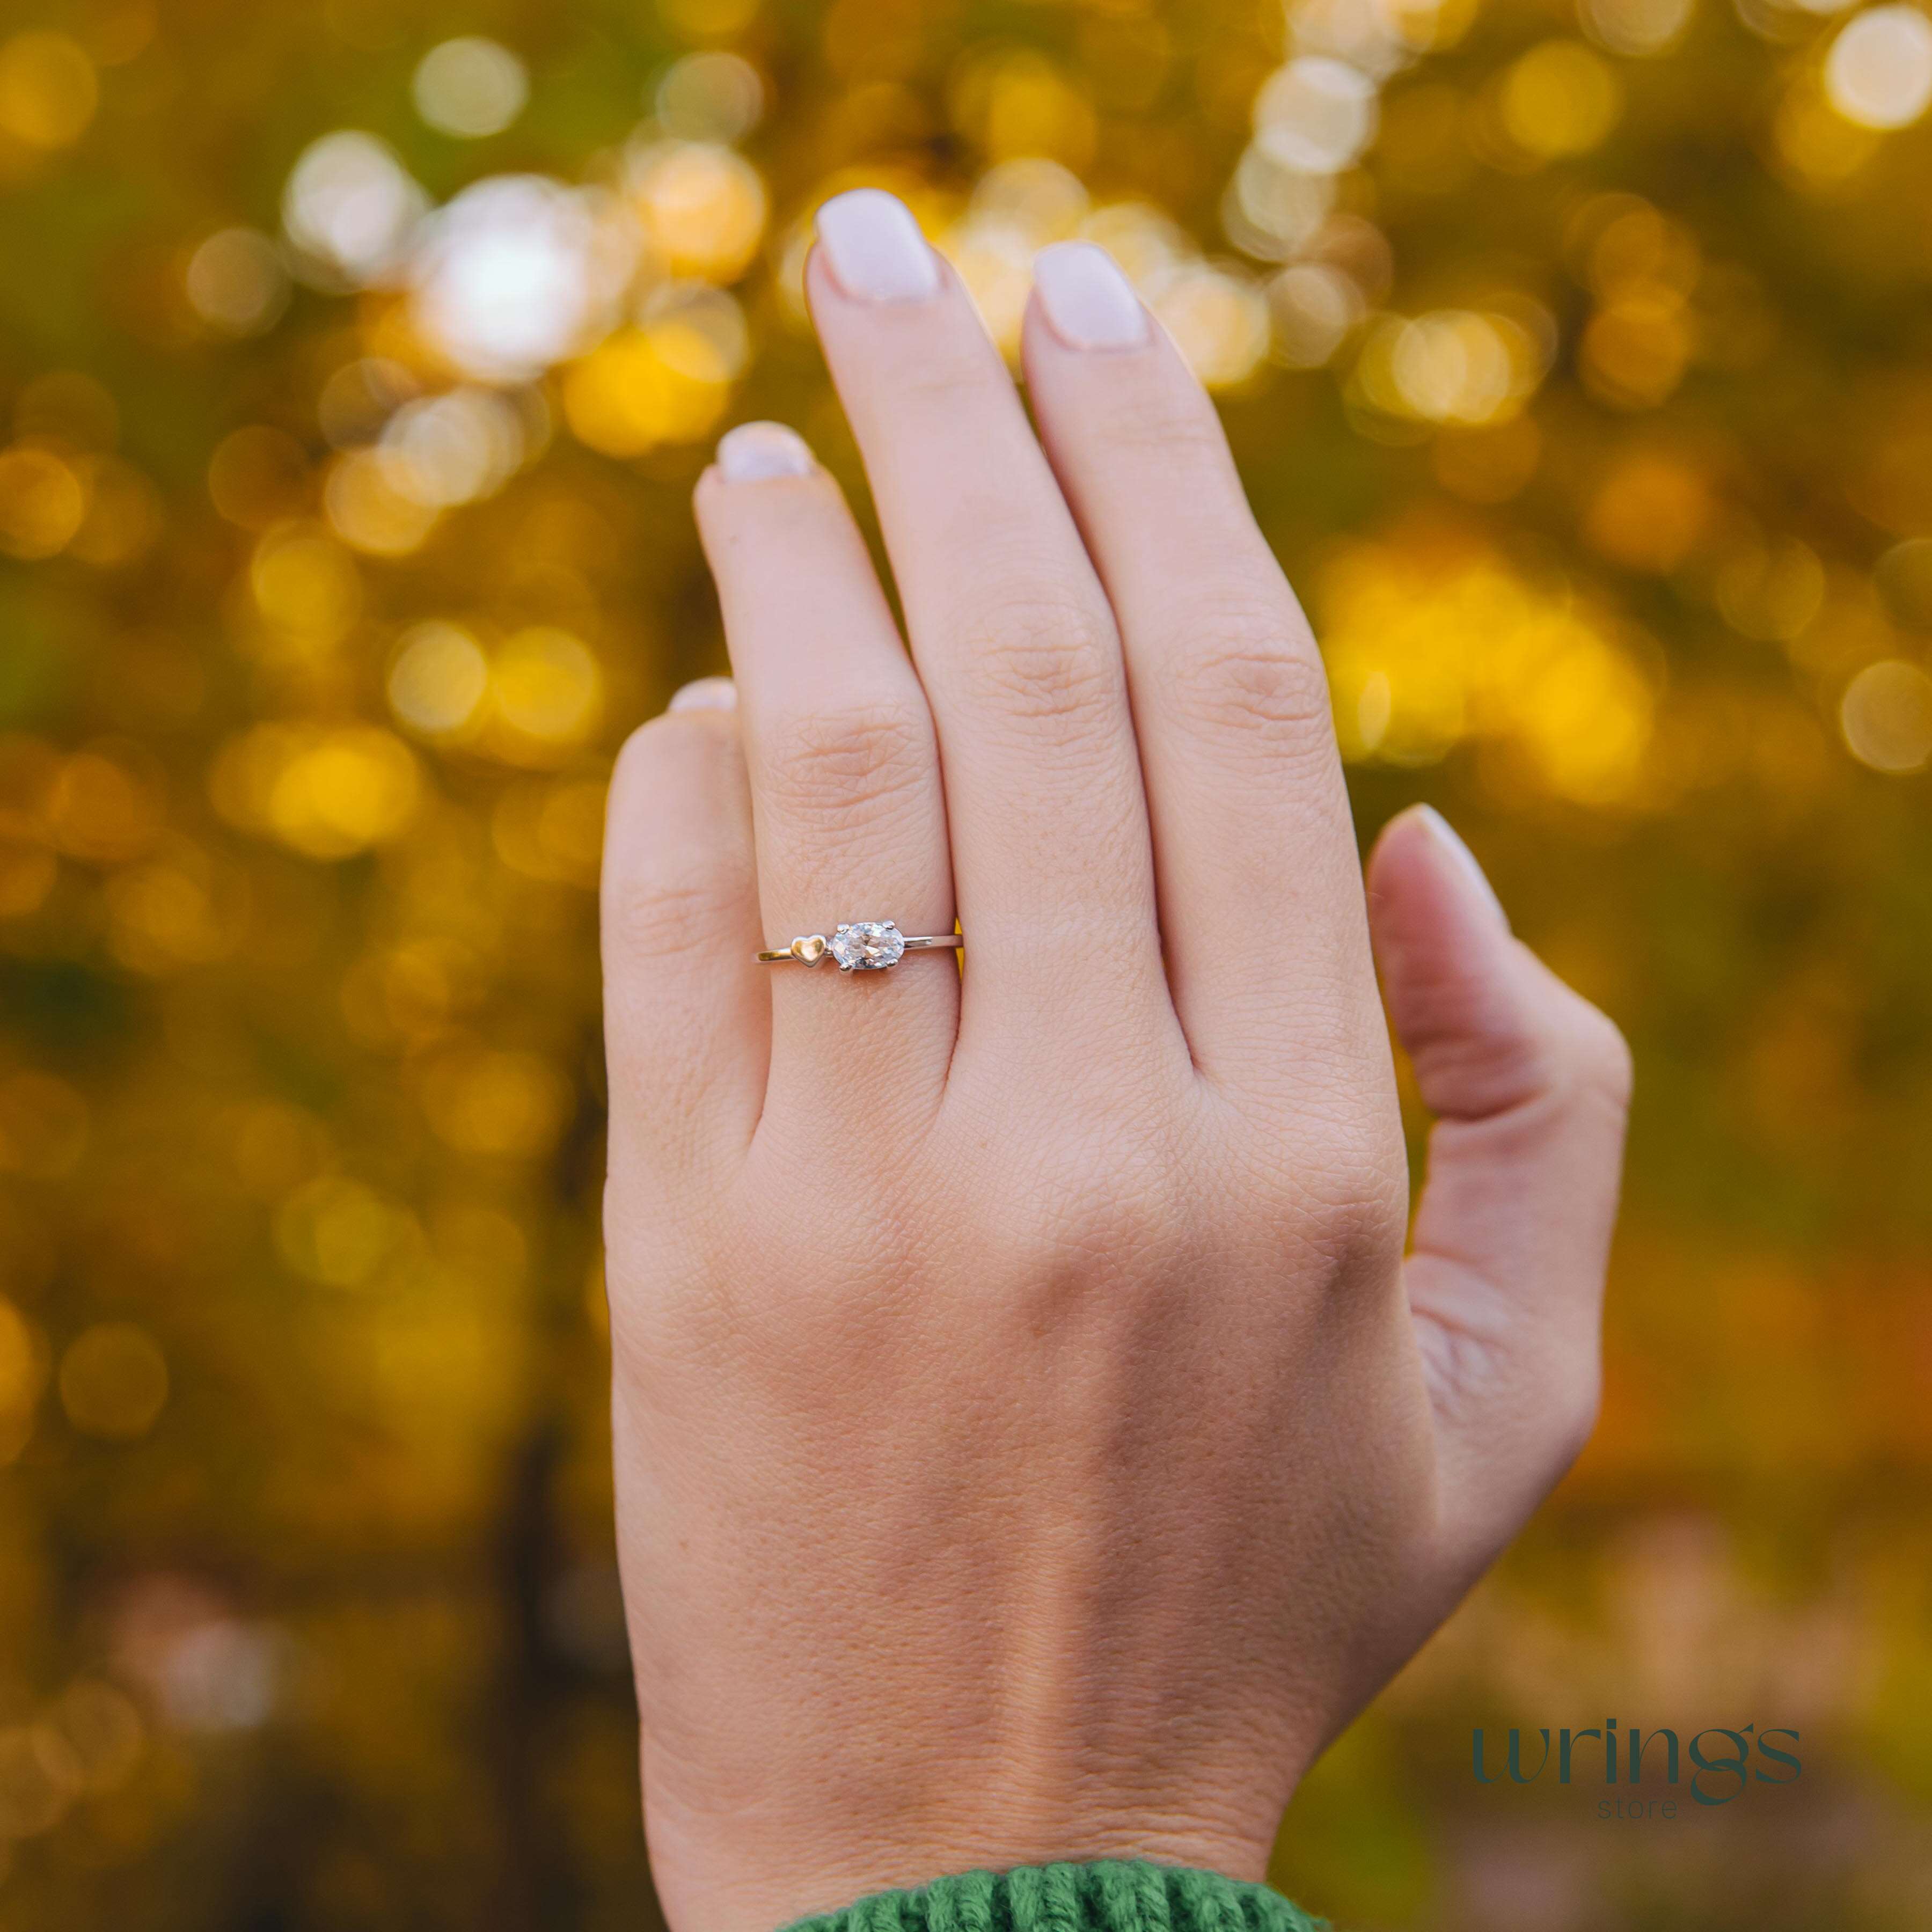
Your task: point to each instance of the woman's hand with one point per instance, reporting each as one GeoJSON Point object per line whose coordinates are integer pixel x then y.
{"type": "Point", "coordinates": [1031, 1441]}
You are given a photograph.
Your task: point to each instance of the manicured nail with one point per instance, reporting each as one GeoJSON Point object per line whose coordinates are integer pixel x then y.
{"type": "Point", "coordinates": [1089, 303]}
{"type": "Point", "coordinates": [1447, 836]}
{"type": "Point", "coordinates": [874, 248]}
{"type": "Point", "coordinates": [705, 694]}
{"type": "Point", "coordinates": [754, 451]}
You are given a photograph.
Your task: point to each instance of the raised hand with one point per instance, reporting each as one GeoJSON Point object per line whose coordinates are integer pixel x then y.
{"type": "Point", "coordinates": [1031, 1440]}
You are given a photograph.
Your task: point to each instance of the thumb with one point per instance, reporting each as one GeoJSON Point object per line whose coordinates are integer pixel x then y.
{"type": "Point", "coordinates": [1530, 1085]}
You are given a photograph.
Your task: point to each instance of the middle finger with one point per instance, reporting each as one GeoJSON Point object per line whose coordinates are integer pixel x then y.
{"type": "Point", "coordinates": [1013, 637]}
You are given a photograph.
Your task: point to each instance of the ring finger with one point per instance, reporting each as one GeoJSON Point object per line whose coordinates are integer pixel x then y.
{"type": "Point", "coordinates": [844, 772]}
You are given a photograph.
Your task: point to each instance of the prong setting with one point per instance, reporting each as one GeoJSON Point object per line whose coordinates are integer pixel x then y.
{"type": "Point", "coordinates": [867, 945]}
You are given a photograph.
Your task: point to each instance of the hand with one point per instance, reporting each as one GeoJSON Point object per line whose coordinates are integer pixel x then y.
{"type": "Point", "coordinates": [1031, 1442]}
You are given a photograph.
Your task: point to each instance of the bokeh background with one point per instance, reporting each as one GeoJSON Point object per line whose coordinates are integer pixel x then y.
{"type": "Point", "coordinates": [356, 361]}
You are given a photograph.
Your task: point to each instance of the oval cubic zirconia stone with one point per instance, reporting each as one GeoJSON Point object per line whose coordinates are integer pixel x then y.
{"type": "Point", "coordinates": [867, 945]}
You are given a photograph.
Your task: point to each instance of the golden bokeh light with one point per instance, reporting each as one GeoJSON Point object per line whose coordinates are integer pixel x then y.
{"type": "Point", "coordinates": [1635, 350]}
{"type": "Point", "coordinates": [709, 20]}
{"type": "Point", "coordinates": [369, 511]}
{"type": "Point", "coordinates": [325, 793]}
{"type": "Point", "coordinates": [1650, 511]}
{"type": "Point", "coordinates": [1644, 28]}
{"type": "Point", "coordinates": [1770, 592]}
{"type": "Point", "coordinates": [703, 206]}
{"type": "Point", "coordinates": [1886, 716]}
{"type": "Point", "coordinates": [101, 810]}
{"type": "Point", "coordinates": [439, 681]}
{"type": "Point", "coordinates": [306, 585]}
{"type": "Point", "coordinates": [469, 87]}
{"type": "Point", "coordinates": [1316, 115]}
{"type": "Point", "coordinates": [237, 282]}
{"type": "Point", "coordinates": [512, 275]}
{"type": "Point", "coordinates": [48, 90]}
{"type": "Point", "coordinates": [1819, 147]}
{"type": "Point", "coordinates": [713, 96]}
{"type": "Point", "coordinates": [627, 396]}
{"type": "Point", "coordinates": [1879, 71]}
{"type": "Point", "coordinates": [1272, 210]}
{"type": "Point", "coordinates": [1561, 98]}
{"type": "Point", "coordinates": [995, 263]}
{"type": "Point", "coordinates": [549, 693]}
{"type": "Point", "coordinates": [1312, 308]}
{"type": "Point", "coordinates": [350, 210]}
{"type": "Point", "coordinates": [1014, 103]}
{"type": "Point", "coordinates": [124, 518]}
{"type": "Point", "coordinates": [114, 1381]}
{"type": "Point", "coordinates": [1627, 247]}
{"type": "Point", "coordinates": [1425, 655]}
{"type": "Point", "coordinates": [1219, 319]}
{"type": "Point", "coordinates": [338, 1232]}
{"type": "Point", "coordinates": [42, 503]}
{"type": "Point", "coordinates": [1450, 366]}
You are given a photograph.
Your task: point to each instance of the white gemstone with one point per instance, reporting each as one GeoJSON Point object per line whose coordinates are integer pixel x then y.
{"type": "Point", "coordinates": [866, 945]}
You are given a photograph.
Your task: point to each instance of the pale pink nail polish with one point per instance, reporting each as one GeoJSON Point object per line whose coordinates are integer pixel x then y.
{"type": "Point", "coordinates": [705, 694]}
{"type": "Point", "coordinates": [874, 248]}
{"type": "Point", "coordinates": [1089, 303]}
{"type": "Point", "coordinates": [756, 451]}
{"type": "Point", "coordinates": [1446, 836]}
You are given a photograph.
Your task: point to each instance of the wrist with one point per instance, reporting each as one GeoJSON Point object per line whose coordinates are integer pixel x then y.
{"type": "Point", "coordinates": [819, 1841]}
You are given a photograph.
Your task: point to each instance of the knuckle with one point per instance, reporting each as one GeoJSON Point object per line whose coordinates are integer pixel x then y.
{"type": "Point", "coordinates": [1598, 1057]}
{"type": "Point", "coordinates": [1358, 1216]}
{"type": "Point", "coordinates": [670, 740]}
{"type": "Point", "coordinates": [1044, 655]}
{"type": "Point", "coordinates": [1090, 1211]}
{"type": "Point", "coordinates": [844, 764]}
{"type": "Point", "coordinates": [1250, 674]}
{"type": "Point", "coordinates": [656, 918]}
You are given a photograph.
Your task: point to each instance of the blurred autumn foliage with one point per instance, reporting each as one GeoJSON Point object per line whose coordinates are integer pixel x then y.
{"type": "Point", "coordinates": [356, 360]}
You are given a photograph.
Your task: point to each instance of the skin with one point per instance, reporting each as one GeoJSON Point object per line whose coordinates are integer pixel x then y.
{"type": "Point", "coordinates": [1032, 1441]}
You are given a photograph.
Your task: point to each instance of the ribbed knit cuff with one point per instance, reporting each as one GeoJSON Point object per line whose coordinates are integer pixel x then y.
{"type": "Point", "coordinates": [1108, 1897]}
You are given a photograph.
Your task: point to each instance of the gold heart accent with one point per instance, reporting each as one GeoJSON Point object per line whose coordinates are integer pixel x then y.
{"type": "Point", "coordinates": [811, 950]}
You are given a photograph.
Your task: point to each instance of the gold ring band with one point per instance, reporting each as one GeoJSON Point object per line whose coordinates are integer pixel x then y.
{"type": "Point", "coordinates": [861, 946]}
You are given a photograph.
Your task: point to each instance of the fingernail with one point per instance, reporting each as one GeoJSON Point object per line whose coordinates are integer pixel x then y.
{"type": "Point", "coordinates": [874, 249]}
{"type": "Point", "coordinates": [754, 451]}
{"type": "Point", "coordinates": [705, 694]}
{"type": "Point", "coordinates": [1088, 302]}
{"type": "Point", "coordinates": [1451, 840]}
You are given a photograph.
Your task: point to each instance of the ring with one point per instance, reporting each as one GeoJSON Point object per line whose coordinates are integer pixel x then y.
{"type": "Point", "coordinates": [861, 946]}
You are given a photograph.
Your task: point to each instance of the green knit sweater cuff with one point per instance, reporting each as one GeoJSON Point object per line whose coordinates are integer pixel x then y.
{"type": "Point", "coordinates": [1108, 1897]}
